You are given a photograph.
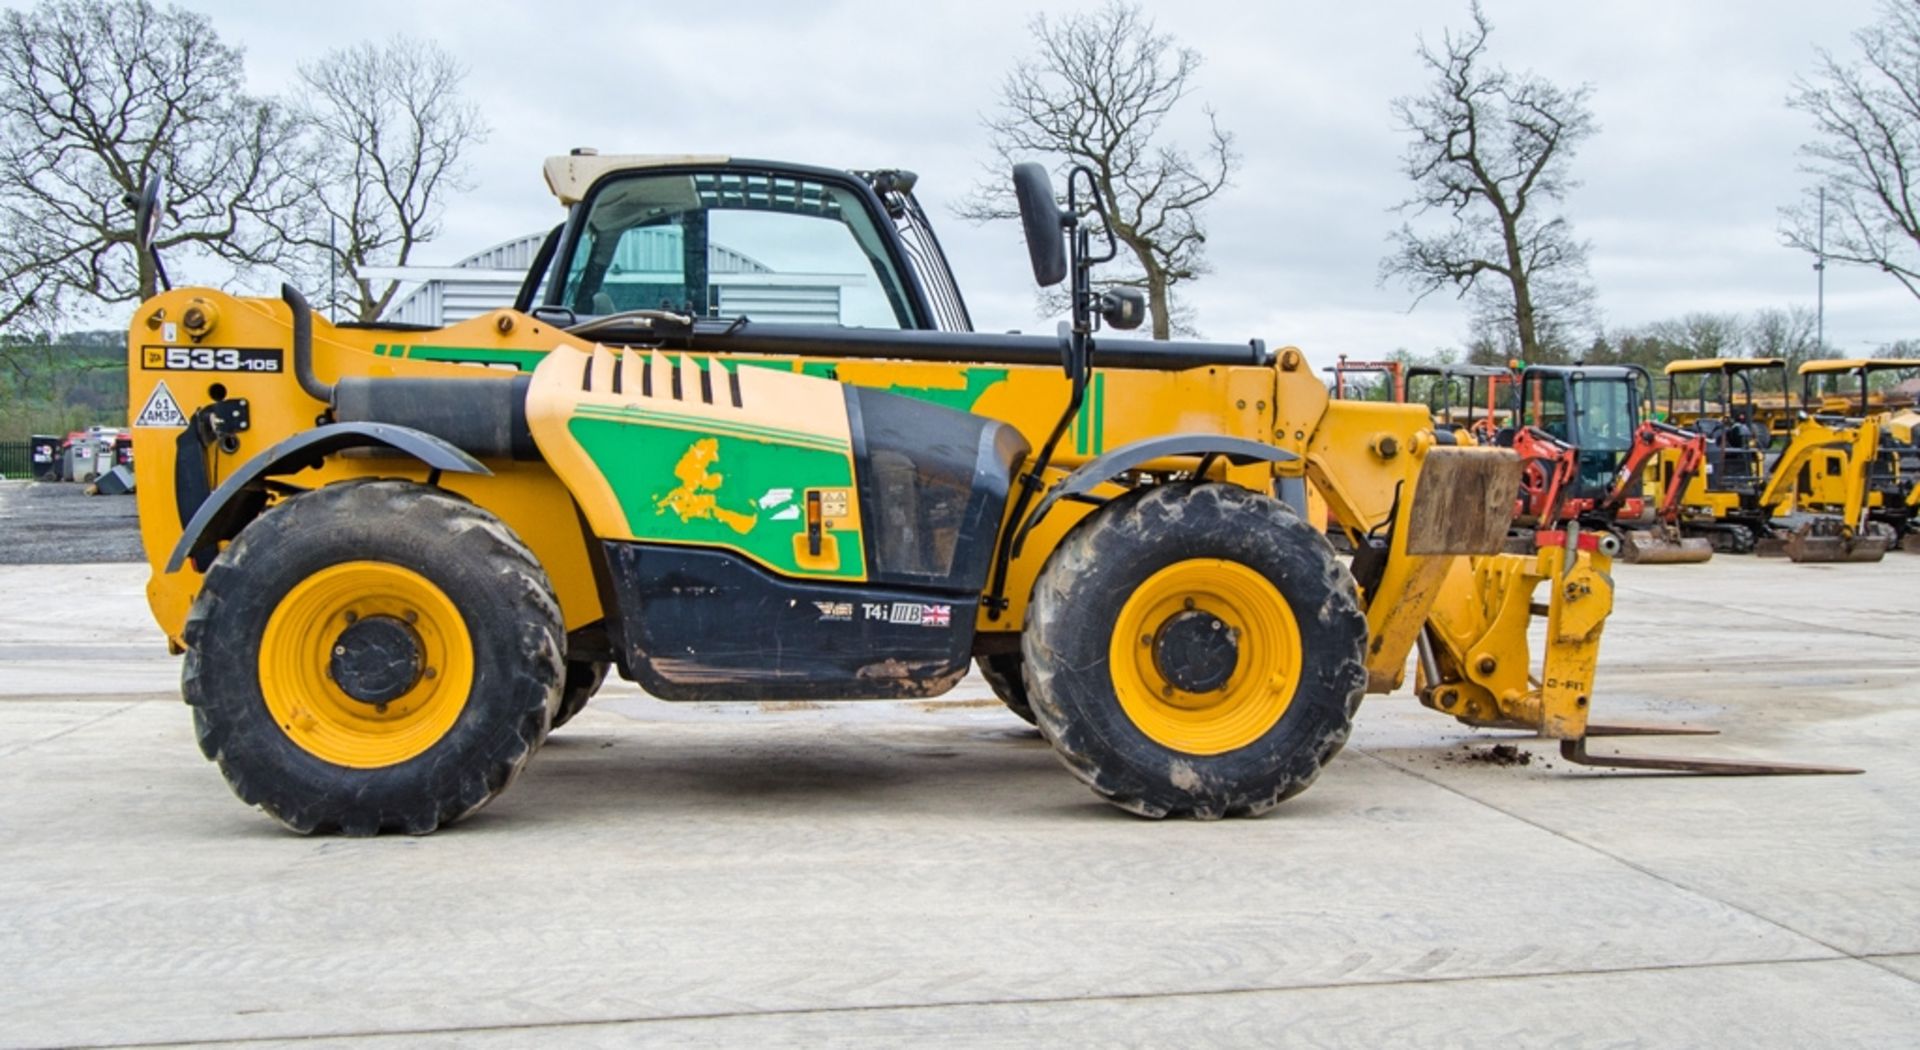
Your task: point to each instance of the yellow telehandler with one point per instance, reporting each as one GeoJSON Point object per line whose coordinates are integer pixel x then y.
{"type": "Point", "coordinates": [737, 440]}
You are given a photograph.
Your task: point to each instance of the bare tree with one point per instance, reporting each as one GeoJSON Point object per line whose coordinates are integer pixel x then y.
{"type": "Point", "coordinates": [1867, 153]}
{"type": "Point", "coordinates": [96, 96]}
{"type": "Point", "coordinates": [1098, 93]}
{"type": "Point", "coordinates": [1490, 152]}
{"type": "Point", "coordinates": [1789, 334]}
{"type": "Point", "coordinates": [387, 131]}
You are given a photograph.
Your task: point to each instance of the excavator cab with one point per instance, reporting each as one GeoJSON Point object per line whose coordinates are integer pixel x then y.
{"type": "Point", "coordinates": [1350, 382]}
{"type": "Point", "coordinates": [1593, 419]}
{"type": "Point", "coordinates": [1595, 409]}
{"type": "Point", "coordinates": [1722, 399]}
{"type": "Point", "coordinates": [1462, 398]}
{"type": "Point", "coordinates": [1874, 481]}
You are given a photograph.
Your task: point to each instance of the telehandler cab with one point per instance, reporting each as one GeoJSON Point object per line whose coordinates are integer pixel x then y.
{"type": "Point", "coordinates": [737, 441]}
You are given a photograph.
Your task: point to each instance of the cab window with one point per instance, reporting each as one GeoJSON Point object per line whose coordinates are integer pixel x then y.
{"type": "Point", "coordinates": [760, 246]}
{"type": "Point", "coordinates": [1549, 398]}
{"type": "Point", "coordinates": [1606, 415]}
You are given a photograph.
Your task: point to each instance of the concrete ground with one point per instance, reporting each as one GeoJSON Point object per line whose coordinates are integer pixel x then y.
{"type": "Point", "coordinates": [927, 874]}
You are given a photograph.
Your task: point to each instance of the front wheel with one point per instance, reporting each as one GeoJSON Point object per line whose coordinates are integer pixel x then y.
{"type": "Point", "coordinates": [1196, 650]}
{"type": "Point", "coordinates": [373, 655]}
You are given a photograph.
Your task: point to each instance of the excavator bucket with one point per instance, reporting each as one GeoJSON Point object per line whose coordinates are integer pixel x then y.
{"type": "Point", "coordinates": [1658, 546]}
{"type": "Point", "coordinates": [1826, 539]}
{"type": "Point", "coordinates": [1820, 542]}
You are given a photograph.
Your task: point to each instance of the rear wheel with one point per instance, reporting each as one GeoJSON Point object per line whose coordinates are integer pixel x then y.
{"type": "Point", "coordinates": [374, 655]}
{"type": "Point", "coordinates": [1195, 650]}
{"type": "Point", "coordinates": [1004, 675]}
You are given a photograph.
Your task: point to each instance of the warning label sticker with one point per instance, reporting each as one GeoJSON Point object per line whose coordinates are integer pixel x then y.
{"type": "Point", "coordinates": [161, 410]}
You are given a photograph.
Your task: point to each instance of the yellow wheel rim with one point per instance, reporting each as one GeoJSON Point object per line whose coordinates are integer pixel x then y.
{"type": "Point", "coordinates": [298, 648]}
{"type": "Point", "coordinates": [1265, 671]}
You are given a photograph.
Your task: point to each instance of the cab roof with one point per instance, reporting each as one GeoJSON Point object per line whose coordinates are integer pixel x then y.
{"type": "Point", "coordinates": [1854, 364]}
{"type": "Point", "coordinates": [570, 176]}
{"type": "Point", "coordinates": [1466, 370]}
{"type": "Point", "coordinates": [1721, 364]}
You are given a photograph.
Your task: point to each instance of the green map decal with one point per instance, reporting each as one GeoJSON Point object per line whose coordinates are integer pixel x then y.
{"type": "Point", "coordinates": [718, 484]}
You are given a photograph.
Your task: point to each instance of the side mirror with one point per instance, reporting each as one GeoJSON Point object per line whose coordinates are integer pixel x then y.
{"type": "Point", "coordinates": [148, 209]}
{"type": "Point", "coordinates": [1123, 308]}
{"type": "Point", "coordinates": [1044, 222]}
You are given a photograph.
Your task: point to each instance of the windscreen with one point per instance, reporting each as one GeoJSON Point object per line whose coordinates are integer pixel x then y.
{"type": "Point", "coordinates": [1605, 415]}
{"type": "Point", "coordinates": [761, 246]}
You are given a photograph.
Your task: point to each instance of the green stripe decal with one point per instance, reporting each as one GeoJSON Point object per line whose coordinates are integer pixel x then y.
{"type": "Point", "coordinates": [1081, 418]}
{"type": "Point", "coordinates": [1090, 422]}
{"type": "Point", "coordinates": [1099, 413]}
{"type": "Point", "coordinates": [524, 360]}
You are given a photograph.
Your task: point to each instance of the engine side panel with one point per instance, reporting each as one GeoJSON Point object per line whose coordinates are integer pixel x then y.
{"type": "Point", "coordinates": [665, 450]}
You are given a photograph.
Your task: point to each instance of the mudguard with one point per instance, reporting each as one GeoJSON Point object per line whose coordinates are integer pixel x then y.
{"type": "Point", "coordinates": [240, 498]}
{"type": "Point", "coordinates": [1112, 464]}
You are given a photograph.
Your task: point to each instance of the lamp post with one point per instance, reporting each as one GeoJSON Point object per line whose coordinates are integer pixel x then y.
{"type": "Point", "coordinates": [1820, 278]}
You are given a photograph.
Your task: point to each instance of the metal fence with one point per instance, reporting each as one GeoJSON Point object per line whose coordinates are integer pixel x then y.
{"type": "Point", "coordinates": [15, 457]}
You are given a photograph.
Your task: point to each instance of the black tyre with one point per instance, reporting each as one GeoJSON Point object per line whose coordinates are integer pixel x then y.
{"type": "Point", "coordinates": [583, 679]}
{"type": "Point", "coordinates": [1196, 650]}
{"type": "Point", "coordinates": [1004, 675]}
{"type": "Point", "coordinates": [373, 656]}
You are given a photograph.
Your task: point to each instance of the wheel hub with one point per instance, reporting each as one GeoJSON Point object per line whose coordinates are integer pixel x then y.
{"type": "Point", "coordinates": [1196, 652]}
{"type": "Point", "coordinates": [376, 660]}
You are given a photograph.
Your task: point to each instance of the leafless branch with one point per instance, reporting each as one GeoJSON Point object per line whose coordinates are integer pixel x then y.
{"type": "Point", "coordinates": [386, 135]}
{"type": "Point", "coordinates": [97, 96]}
{"type": "Point", "coordinates": [1866, 153]}
{"type": "Point", "coordinates": [1489, 151]}
{"type": "Point", "coordinates": [1097, 94]}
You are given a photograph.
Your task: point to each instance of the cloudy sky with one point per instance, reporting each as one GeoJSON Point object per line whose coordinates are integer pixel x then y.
{"type": "Point", "coordinates": [1679, 196]}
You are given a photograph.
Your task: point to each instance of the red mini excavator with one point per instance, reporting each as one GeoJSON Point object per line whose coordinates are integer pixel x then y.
{"type": "Point", "coordinates": [1586, 446]}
